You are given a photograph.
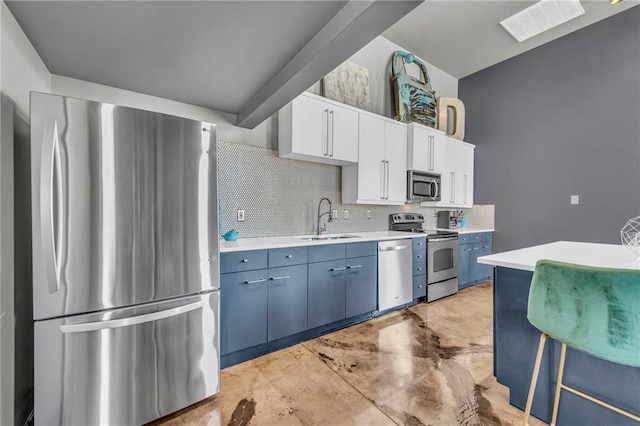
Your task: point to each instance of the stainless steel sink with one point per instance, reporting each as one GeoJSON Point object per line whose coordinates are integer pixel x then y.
{"type": "Point", "coordinates": [336, 237]}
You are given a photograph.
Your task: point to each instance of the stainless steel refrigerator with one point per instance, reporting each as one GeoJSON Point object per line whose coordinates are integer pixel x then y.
{"type": "Point", "coordinates": [125, 262]}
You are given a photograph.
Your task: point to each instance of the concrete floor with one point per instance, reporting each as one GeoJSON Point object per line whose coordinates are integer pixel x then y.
{"type": "Point", "coordinates": [431, 364]}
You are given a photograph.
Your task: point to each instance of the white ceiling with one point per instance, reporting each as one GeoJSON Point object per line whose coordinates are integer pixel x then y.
{"type": "Point", "coordinates": [242, 57]}
{"type": "Point", "coordinates": [463, 37]}
{"type": "Point", "coordinates": [251, 57]}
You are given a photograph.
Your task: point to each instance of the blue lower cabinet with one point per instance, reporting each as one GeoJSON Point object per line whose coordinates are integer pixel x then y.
{"type": "Point", "coordinates": [326, 297]}
{"type": "Point", "coordinates": [478, 271]}
{"type": "Point", "coordinates": [419, 286]}
{"type": "Point", "coordinates": [287, 307]}
{"type": "Point", "coordinates": [243, 310]}
{"type": "Point", "coordinates": [361, 285]}
{"type": "Point", "coordinates": [469, 270]}
{"type": "Point", "coordinates": [464, 263]}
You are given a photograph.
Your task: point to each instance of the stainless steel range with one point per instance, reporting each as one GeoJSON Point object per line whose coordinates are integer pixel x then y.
{"type": "Point", "coordinates": [442, 254]}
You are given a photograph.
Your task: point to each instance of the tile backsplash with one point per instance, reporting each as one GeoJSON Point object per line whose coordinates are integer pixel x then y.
{"type": "Point", "coordinates": [280, 196]}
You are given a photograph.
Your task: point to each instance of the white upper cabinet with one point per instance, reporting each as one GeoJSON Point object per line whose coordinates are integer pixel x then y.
{"type": "Point", "coordinates": [313, 128]}
{"type": "Point", "coordinates": [457, 175]}
{"type": "Point", "coordinates": [425, 149]}
{"type": "Point", "coordinates": [380, 176]}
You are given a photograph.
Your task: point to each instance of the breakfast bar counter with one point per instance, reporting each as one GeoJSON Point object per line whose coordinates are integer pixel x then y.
{"type": "Point", "coordinates": [516, 340]}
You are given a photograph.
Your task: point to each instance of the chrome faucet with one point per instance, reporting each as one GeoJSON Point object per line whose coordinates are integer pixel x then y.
{"type": "Point", "coordinates": [320, 230]}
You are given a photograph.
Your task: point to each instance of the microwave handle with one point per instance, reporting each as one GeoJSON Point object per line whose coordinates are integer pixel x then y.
{"type": "Point", "coordinates": [435, 194]}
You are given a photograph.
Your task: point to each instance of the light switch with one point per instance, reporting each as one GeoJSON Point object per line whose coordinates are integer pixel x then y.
{"type": "Point", "coordinates": [575, 199]}
{"type": "Point", "coordinates": [334, 214]}
{"type": "Point", "coordinates": [368, 214]}
{"type": "Point", "coordinates": [346, 215]}
{"type": "Point", "coordinates": [240, 215]}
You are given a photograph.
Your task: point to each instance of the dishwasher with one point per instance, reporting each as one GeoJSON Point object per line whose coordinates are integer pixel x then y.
{"type": "Point", "coordinates": [395, 283]}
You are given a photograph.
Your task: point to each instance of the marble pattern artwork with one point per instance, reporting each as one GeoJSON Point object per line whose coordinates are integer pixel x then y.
{"type": "Point", "coordinates": [430, 364]}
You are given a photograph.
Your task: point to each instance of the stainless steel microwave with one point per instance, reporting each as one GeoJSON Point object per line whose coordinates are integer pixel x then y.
{"type": "Point", "coordinates": [423, 186]}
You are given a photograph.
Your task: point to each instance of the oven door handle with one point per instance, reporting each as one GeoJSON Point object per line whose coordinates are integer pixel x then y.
{"type": "Point", "coordinates": [437, 240]}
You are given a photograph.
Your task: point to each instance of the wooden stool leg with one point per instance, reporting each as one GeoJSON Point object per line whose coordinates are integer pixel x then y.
{"type": "Point", "coordinates": [556, 400]}
{"type": "Point", "coordinates": [534, 379]}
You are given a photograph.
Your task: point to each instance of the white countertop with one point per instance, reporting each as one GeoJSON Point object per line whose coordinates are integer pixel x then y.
{"type": "Point", "coordinates": [588, 254]}
{"type": "Point", "coordinates": [467, 230]}
{"type": "Point", "coordinates": [297, 241]}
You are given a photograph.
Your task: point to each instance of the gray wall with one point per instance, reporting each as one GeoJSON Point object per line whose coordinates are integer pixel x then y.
{"type": "Point", "coordinates": [560, 120]}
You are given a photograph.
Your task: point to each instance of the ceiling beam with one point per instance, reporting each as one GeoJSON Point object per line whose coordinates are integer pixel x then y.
{"type": "Point", "coordinates": [352, 28]}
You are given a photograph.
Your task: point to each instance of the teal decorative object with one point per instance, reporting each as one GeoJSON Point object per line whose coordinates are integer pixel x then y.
{"type": "Point", "coordinates": [231, 235]}
{"type": "Point", "coordinates": [415, 99]}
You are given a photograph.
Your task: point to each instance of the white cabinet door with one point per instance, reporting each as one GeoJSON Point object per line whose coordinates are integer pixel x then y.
{"type": "Point", "coordinates": [466, 173]}
{"type": "Point", "coordinates": [437, 152]}
{"type": "Point", "coordinates": [312, 129]}
{"type": "Point", "coordinates": [343, 134]}
{"type": "Point", "coordinates": [395, 154]}
{"type": "Point", "coordinates": [309, 127]}
{"type": "Point", "coordinates": [380, 176]}
{"type": "Point", "coordinates": [371, 184]}
{"type": "Point", "coordinates": [425, 149]}
{"type": "Point", "coordinates": [456, 176]}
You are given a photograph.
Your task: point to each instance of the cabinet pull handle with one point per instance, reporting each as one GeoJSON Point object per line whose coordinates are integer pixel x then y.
{"type": "Point", "coordinates": [261, 280]}
{"type": "Point", "coordinates": [289, 256]}
{"type": "Point", "coordinates": [284, 277]}
{"type": "Point", "coordinates": [419, 286]}
{"type": "Point", "coordinates": [465, 189]}
{"type": "Point", "coordinates": [341, 268]}
{"type": "Point", "coordinates": [386, 168]}
{"type": "Point", "coordinates": [431, 153]}
{"type": "Point", "coordinates": [325, 137]}
{"type": "Point", "coordinates": [452, 189]}
{"type": "Point", "coordinates": [332, 131]}
{"type": "Point", "coordinates": [419, 269]}
{"type": "Point", "coordinates": [354, 266]}
{"type": "Point", "coordinates": [419, 256]}
{"type": "Point", "coordinates": [245, 260]}
{"type": "Point", "coordinates": [382, 181]}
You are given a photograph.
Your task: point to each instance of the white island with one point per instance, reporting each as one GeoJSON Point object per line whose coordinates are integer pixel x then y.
{"type": "Point", "coordinates": [588, 254]}
{"type": "Point", "coordinates": [515, 339]}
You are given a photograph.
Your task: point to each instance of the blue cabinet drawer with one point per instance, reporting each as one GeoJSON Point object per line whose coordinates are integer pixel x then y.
{"type": "Point", "coordinates": [419, 243]}
{"type": "Point", "coordinates": [326, 252]}
{"type": "Point", "coordinates": [419, 268]}
{"type": "Point", "coordinates": [486, 236]}
{"type": "Point", "coordinates": [419, 256]}
{"type": "Point", "coordinates": [287, 256]}
{"type": "Point", "coordinates": [419, 286]}
{"type": "Point", "coordinates": [463, 238]}
{"type": "Point", "coordinates": [237, 261]}
{"type": "Point", "coordinates": [367, 248]}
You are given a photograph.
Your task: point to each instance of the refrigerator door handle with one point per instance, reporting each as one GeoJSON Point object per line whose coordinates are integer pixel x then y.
{"type": "Point", "coordinates": [50, 223]}
{"type": "Point", "coordinates": [125, 322]}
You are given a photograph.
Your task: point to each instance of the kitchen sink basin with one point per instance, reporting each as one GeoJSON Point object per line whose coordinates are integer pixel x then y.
{"type": "Point", "coordinates": [335, 237]}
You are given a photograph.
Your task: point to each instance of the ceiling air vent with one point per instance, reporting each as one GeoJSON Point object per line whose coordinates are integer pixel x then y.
{"type": "Point", "coordinates": [541, 17]}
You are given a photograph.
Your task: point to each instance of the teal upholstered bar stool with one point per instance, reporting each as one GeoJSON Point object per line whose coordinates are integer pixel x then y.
{"type": "Point", "coordinates": [595, 310]}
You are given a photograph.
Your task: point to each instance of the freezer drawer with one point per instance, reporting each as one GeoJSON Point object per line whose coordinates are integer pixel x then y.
{"type": "Point", "coordinates": [127, 366]}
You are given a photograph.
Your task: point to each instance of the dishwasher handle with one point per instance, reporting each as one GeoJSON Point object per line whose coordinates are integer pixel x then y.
{"type": "Point", "coordinates": [392, 248]}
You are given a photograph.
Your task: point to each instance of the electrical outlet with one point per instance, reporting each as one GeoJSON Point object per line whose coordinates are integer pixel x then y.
{"type": "Point", "coordinates": [334, 214]}
{"type": "Point", "coordinates": [240, 215]}
{"type": "Point", "coordinates": [368, 214]}
{"type": "Point", "coordinates": [346, 215]}
{"type": "Point", "coordinates": [575, 199]}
